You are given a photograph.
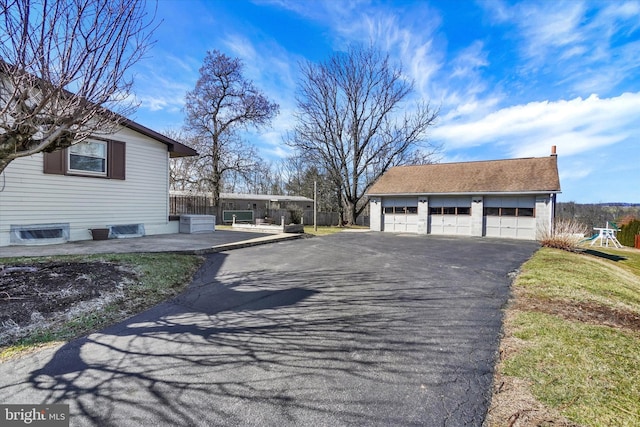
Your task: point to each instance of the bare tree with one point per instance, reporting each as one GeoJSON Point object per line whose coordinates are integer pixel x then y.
{"type": "Point", "coordinates": [185, 172]}
{"type": "Point", "coordinates": [223, 104]}
{"type": "Point", "coordinates": [349, 121]}
{"type": "Point", "coordinates": [64, 70]}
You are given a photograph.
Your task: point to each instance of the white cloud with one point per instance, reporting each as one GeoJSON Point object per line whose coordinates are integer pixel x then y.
{"type": "Point", "coordinates": [575, 126]}
{"type": "Point", "coordinates": [578, 44]}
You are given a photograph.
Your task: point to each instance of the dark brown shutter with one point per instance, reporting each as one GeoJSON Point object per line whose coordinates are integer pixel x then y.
{"type": "Point", "coordinates": [116, 160]}
{"type": "Point", "coordinates": [55, 162]}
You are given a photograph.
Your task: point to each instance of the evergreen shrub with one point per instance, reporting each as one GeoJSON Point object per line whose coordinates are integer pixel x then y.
{"type": "Point", "coordinates": [627, 233]}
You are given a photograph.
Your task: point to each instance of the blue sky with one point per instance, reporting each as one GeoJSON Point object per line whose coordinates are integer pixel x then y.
{"type": "Point", "coordinates": [511, 79]}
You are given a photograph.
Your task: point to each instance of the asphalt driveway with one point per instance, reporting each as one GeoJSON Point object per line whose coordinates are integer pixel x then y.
{"type": "Point", "coordinates": [348, 329]}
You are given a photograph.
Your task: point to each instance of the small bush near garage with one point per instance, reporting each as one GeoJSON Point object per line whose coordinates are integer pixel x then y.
{"type": "Point", "coordinates": [566, 234]}
{"type": "Point", "coordinates": [627, 234]}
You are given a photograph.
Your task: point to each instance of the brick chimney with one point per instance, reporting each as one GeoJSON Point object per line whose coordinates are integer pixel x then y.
{"type": "Point", "coordinates": [553, 150]}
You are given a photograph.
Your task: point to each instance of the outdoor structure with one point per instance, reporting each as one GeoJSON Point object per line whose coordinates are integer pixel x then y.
{"type": "Point", "coordinates": [246, 207]}
{"type": "Point", "coordinates": [606, 235]}
{"type": "Point", "coordinates": [234, 201]}
{"type": "Point", "coordinates": [120, 184]}
{"type": "Point", "coordinates": [512, 198]}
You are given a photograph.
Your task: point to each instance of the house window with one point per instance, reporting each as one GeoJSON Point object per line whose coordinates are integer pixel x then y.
{"type": "Point", "coordinates": [98, 159]}
{"type": "Point", "coordinates": [88, 158]}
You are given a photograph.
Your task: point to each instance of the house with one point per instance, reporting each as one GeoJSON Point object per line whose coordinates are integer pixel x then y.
{"type": "Point", "coordinates": [512, 198]}
{"type": "Point", "coordinates": [120, 183]}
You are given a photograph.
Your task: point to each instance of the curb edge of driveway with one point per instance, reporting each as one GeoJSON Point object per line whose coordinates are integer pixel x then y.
{"type": "Point", "coordinates": [238, 245]}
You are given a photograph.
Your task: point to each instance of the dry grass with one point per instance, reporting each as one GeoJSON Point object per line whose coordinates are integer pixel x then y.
{"type": "Point", "coordinates": [566, 234]}
{"type": "Point", "coordinates": [570, 351]}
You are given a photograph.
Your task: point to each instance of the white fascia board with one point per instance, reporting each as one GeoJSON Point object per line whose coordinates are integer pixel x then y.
{"type": "Point", "coordinates": [477, 193]}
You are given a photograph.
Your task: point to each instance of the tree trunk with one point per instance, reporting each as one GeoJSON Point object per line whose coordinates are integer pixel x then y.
{"type": "Point", "coordinates": [3, 164]}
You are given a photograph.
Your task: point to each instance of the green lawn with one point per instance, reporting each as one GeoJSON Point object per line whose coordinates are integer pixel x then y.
{"type": "Point", "coordinates": [587, 370]}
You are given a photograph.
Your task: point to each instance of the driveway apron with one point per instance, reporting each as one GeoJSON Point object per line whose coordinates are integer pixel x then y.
{"type": "Point", "coordinates": [348, 329]}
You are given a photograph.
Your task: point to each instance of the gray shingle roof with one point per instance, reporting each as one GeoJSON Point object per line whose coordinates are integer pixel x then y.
{"type": "Point", "coordinates": [535, 174]}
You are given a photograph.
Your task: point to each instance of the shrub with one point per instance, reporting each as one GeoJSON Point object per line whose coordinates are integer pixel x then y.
{"type": "Point", "coordinates": [566, 234]}
{"type": "Point", "coordinates": [296, 214]}
{"type": "Point", "coordinates": [626, 235]}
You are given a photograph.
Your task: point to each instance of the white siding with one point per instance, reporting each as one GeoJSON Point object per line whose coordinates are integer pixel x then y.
{"type": "Point", "coordinates": [29, 196]}
{"type": "Point", "coordinates": [375, 218]}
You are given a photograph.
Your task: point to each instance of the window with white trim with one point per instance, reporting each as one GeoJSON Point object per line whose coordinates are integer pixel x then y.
{"type": "Point", "coordinates": [88, 158]}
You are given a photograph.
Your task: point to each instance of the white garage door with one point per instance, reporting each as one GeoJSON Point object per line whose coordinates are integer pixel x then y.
{"type": "Point", "coordinates": [510, 217]}
{"type": "Point", "coordinates": [400, 215]}
{"type": "Point", "coordinates": [450, 215]}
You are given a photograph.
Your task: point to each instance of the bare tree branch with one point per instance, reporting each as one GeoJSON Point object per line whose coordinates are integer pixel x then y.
{"type": "Point", "coordinates": [64, 70]}
{"type": "Point", "coordinates": [221, 105]}
{"type": "Point", "coordinates": [349, 120]}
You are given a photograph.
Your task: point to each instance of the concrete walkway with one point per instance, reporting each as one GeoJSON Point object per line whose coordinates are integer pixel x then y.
{"type": "Point", "coordinates": [198, 244]}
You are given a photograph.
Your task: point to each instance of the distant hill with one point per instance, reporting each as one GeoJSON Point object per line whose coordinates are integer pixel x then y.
{"type": "Point", "coordinates": [597, 214]}
{"type": "Point", "coordinates": [633, 205]}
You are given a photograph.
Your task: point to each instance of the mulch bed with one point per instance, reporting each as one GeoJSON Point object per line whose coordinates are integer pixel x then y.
{"type": "Point", "coordinates": [31, 293]}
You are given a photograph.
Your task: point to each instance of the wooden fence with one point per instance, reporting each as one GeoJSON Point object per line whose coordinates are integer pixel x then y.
{"type": "Point", "coordinates": [190, 205]}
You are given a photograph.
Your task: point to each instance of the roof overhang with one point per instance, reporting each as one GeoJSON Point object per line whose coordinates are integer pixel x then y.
{"type": "Point", "coordinates": [467, 193]}
{"type": "Point", "coordinates": [176, 149]}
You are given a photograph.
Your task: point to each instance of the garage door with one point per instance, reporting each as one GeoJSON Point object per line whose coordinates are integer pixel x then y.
{"type": "Point", "coordinates": [400, 215]}
{"type": "Point", "coordinates": [510, 217]}
{"type": "Point", "coordinates": [450, 215]}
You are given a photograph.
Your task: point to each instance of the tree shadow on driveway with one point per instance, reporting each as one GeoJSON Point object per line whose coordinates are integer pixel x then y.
{"type": "Point", "coordinates": [324, 347]}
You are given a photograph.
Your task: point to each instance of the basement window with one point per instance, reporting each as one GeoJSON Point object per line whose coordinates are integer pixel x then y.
{"type": "Point", "coordinates": [127, 230]}
{"type": "Point", "coordinates": [39, 234]}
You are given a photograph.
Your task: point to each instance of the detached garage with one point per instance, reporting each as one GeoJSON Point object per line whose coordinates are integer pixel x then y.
{"type": "Point", "coordinates": [512, 198]}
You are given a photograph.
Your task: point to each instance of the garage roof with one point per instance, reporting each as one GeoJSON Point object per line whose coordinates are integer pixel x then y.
{"type": "Point", "coordinates": [526, 175]}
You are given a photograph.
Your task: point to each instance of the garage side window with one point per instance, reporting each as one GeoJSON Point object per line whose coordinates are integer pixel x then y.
{"type": "Point", "coordinates": [452, 210]}
{"type": "Point", "coordinates": [525, 211]}
{"type": "Point", "coordinates": [509, 212]}
{"type": "Point", "coordinates": [401, 210]}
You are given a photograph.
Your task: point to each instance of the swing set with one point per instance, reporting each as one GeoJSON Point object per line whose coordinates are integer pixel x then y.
{"type": "Point", "coordinates": [605, 235]}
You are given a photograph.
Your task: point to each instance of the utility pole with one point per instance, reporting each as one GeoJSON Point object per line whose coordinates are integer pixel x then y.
{"type": "Point", "coordinates": [315, 206]}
